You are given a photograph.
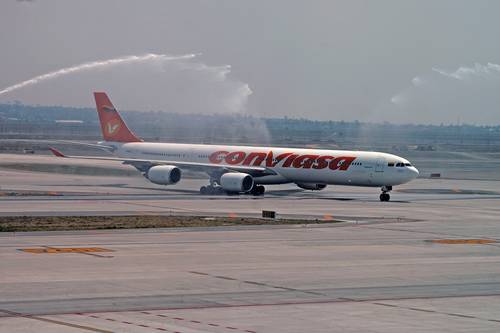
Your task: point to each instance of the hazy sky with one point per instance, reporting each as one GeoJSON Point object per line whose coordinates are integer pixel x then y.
{"type": "Point", "coordinates": [426, 61]}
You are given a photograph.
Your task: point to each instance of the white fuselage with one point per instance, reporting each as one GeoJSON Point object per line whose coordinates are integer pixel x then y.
{"type": "Point", "coordinates": [291, 165]}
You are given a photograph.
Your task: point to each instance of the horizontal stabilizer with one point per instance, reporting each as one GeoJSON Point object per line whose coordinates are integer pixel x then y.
{"type": "Point", "coordinates": [56, 152]}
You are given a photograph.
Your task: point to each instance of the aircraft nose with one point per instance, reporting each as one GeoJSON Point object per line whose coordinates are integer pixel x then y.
{"type": "Point", "coordinates": [414, 172]}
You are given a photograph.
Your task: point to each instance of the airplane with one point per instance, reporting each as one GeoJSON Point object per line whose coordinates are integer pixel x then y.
{"type": "Point", "coordinates": [244, 169]}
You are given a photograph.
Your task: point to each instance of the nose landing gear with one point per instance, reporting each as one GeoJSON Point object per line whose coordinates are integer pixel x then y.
{"type": "Point", "coordinates": [385, 196]}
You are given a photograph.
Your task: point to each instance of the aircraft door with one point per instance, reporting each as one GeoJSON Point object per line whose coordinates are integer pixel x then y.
{"type": "Point", "coordinates": [379, 165]}
{"type": "Point", "coordinates": [191, 156]}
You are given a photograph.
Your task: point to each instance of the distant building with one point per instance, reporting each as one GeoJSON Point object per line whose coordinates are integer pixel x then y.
{"type": "Point", "coordinates": [68, 121]}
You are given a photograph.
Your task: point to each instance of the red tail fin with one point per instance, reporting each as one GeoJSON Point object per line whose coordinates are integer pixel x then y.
{"type": "Point", "coordinates": [112, 125]}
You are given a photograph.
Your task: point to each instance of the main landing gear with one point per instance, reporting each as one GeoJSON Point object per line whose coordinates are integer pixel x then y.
{"type": "Point", "coordinates": [216, 189]}
{"type": "Point", "coordinates": [212, 190]}
{"type": "Point", "coordinates": [257, 190]}
{"type": "Point", "coordinates": [385, 196]}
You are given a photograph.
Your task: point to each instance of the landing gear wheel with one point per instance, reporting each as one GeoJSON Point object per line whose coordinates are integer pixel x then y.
{"type": "Point", "coordinates": [211, 190]}
{"type": "Point", "coordinates": [385, 196]}
{"type": "Point", "coordinates": [218, 190]}
{"type": "Point", "coordinates": [260, 190]}
{"type": "Point", "coordinates": [257, 190]}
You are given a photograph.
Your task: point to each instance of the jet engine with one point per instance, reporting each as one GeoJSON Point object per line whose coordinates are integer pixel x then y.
{"type": "Point", "coordinates": [236, 182]}
{"type": "Point", "coordinates": [311, 186]}
{"type": "Point", "coordinates": [164, 174]}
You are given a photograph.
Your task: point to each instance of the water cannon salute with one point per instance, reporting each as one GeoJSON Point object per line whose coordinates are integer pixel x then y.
{"type": "Point", "coordinates": [231, 169]}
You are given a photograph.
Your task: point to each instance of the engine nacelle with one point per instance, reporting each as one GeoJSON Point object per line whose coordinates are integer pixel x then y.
{"type": "Point", "coordinates": [311, 186]}
{"type": "Point", "coordinates": [236, 182]}
{"type": "Point", "coordinates": [164, 174]}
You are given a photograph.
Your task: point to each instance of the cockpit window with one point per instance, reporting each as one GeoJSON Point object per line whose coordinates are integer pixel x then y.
{"type": "Point", "coordinates": [400, 165]}
{"type": "Point", "coordinates": [390, 164]}
{"type": "Point", "coordinates": [408, 164]}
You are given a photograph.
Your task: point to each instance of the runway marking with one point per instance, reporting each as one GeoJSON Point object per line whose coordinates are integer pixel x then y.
{"type": "Point", "coordinates": [55, 250]}
{"type": "Point", "coordinates": [257, 283]}
{"type": "Point", "coordinates": [432, 311]}
{"type": "Point", "coordinates": [290, 303]}
{"type": "Point", "coordinates": [168, 317]}
{"type": "Point", "coordinates": [57, 322]}
{"type": "Point", "coordinates": [199, 273]}
{"type": "Point", "coordinates": [225, 278]}
{"type": "Point", "coordinates": [378, 301]}
{"type": "Point", "coordinates": [199, 322]}
{"type": "Point", "coordinates": [446, 234]}
{"type": "Point", "coordinates": [171, 209]}
{"type": "Point", "coordinates": [127, 322]}
{"type": "Point", "coordinates": [463, 241]}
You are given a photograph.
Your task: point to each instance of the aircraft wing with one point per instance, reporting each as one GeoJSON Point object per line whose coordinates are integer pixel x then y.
{"type": "Point", "coordinates": [144, 164]}
{"type": "Point", "coordinates": [63, 142]}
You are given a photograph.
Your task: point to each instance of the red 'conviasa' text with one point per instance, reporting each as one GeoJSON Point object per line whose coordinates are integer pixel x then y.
{"type": "Point", "coordinates": [284, 160]}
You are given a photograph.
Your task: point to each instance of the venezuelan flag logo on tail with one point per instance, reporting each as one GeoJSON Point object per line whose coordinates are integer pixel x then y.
{"type": "Point", "coordinates": [112, 125]}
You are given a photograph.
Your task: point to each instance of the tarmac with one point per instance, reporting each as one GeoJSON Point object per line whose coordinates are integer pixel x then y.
{"type": "Point", "coordinates": [428, 261]}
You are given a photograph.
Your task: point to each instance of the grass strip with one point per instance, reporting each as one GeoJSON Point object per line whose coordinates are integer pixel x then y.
{"type": "Point", "coordinates": [53, 223]}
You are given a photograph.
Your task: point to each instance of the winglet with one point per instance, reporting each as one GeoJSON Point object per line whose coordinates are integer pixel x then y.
{"type": "Point", "coordinates": [56, 152]}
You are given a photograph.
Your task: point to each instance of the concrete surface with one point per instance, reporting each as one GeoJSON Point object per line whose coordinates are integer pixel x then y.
{"type": "Point", "coordinates": [378, 271]}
